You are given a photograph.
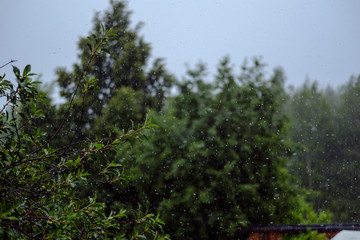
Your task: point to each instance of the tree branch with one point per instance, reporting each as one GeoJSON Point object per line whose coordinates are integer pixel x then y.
{"type": "Point", "coordinates": [11, 61]}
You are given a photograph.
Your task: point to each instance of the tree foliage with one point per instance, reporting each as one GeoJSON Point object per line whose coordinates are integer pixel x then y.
{"type": "Point", "coordinates": [326, 125]}
{"type": "Point", "coordinates": [124, 65]}
{"type": "Point", "coordinates": [218, 160]}
{"type": "Point", "coordinates": [40, 182]}
{"type": "Point", "coordinates": [312, 128]}
{"type": "Point", "coordinates": [126, 86]}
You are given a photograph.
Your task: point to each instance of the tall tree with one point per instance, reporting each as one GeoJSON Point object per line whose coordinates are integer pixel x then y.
{"type": "Point", "coordinates": [126, 66]}
{"type": "Point", "coordinates": [345, 184]}
{"type": "Point", "coordinates": [312, 127]}
{"type": "Point", "coordinates": [126, 86]}
{"type": "Point", "coordinates": [218, 159]}
{"type": "Point", "coordinates": [326, 127]}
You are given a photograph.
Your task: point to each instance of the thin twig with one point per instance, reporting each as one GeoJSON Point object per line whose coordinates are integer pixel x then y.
{"type": "Point", "coordinates": [11, 61]}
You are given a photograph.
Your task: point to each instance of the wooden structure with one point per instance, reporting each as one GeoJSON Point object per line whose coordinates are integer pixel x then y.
{"type": "Point", "coordinates": [274, 232]}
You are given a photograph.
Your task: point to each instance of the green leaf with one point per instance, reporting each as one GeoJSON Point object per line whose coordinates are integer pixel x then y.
{"type": "Point", "coordinates": [16, 71]}
{"type": "Point", "coordinates": [98, 145]}
{"type": "Point", "coordinates": [112, 164]}
{"type": "Point", "coordinates": [27, 70]}
{"type": "Point", "coordinates": [147, 205]}
{"type": "Point", "coordinates": [90, 47]}
{"type": "Point", "coordinates": [92, 80]}
{"type": "Point", "coordinates": [102, 27]}
{"type": "Point", "coordinates": [105, 50]}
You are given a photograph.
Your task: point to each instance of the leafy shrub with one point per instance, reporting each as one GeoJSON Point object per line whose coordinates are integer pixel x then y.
{"type": "Point", "coordinates": [40, 183]}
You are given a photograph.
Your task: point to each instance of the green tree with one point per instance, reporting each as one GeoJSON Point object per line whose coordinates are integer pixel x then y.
{"type": "Point", "coordinates": [126, 87]}
{"type": "Point", "coordinates": [313, 128]}
{"type": "Point", "coordinates": [126, 67]}
{"type": "Point", "coordinates": [218, 160]}
{"type": "Point", "coordinates": [345, 186]}
{"type": "Point", "coordinates": [325, 125]}
{"type": "Point", "coordinates": [40, 181]}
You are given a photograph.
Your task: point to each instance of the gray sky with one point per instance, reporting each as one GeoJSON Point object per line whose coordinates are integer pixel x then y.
{"type": "Point", "coordinates": [319, 39]}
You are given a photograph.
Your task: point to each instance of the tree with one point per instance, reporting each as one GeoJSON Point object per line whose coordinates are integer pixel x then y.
{"type": "Point", "coordinates": [218, 160]}
{"type": "Point", "coordinates": [313, 128]}
{"type": "Point", "coordinates": [345, 188]}
{"type": "Point", "coordinates": [126, 87]}
{"type": "Point", "coordinates": [325, 126]}
{"type": "Point", "coordinates": [40, 181]}
{"type": "Point", "coordinates": [126, 68]}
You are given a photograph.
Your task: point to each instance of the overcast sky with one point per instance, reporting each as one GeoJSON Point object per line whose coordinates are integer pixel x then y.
{"type": "Point", "coordinates": [315, 39]}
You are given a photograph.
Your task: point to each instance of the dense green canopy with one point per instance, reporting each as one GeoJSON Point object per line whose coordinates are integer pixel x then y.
{"type": "Point", "coordinates": [218, 160]}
